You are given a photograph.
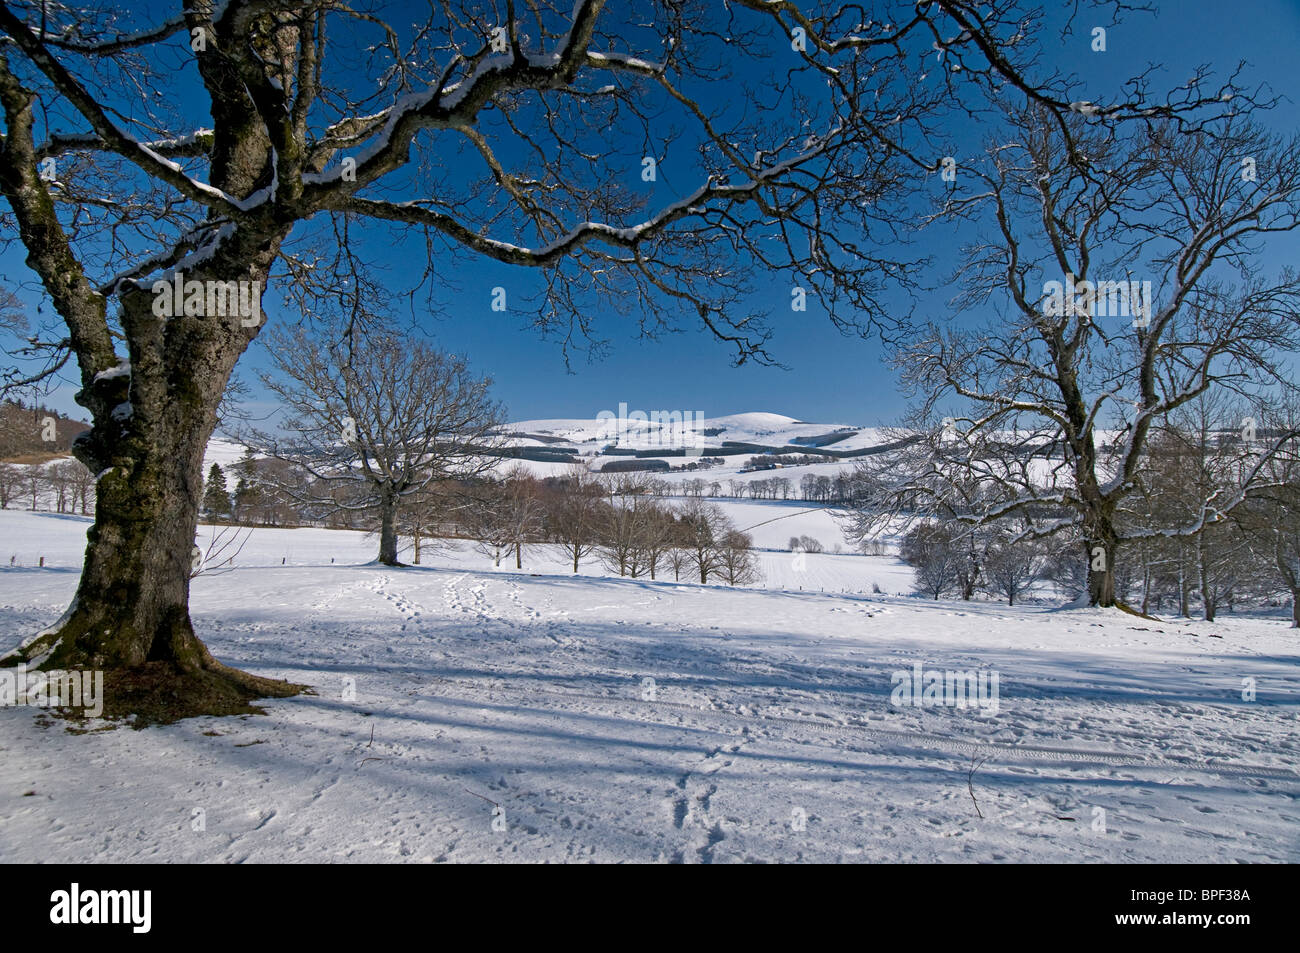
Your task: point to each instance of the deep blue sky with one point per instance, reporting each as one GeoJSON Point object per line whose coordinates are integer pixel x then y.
{"type": "Point", "coordinates": [830, 377]}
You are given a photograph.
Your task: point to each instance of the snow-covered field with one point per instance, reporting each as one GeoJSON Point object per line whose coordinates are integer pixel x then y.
{"type": "Point", "coordinates": [465, 714]}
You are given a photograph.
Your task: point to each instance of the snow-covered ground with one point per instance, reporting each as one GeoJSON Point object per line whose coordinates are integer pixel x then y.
{"type": "Point", "coordinates": [466, 714]}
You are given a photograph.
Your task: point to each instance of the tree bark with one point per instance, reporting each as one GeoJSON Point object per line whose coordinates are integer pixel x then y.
{"type": "Point", "coordinates": [1203, 573]}
{"type": "Point", "coordinates": [130, 616]}
{"type": "Point", "coordinates": [1102, 549]}
{"type": "Point", "coordinates": [388, 528]}
{"type": "Point", "coordinates": [1101, 581]}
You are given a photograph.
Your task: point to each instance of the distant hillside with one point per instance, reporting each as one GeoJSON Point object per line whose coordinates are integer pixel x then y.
{"type": "Point", "coordinates": [25, 430]}
{"type": "Point", "coordinates": [674, 434]}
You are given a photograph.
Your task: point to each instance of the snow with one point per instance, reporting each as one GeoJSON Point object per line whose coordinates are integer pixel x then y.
{"type": "Point", "coordinates": [476, 689]}
{"type": "Point", "coordinates": [121, 369]}
{"type": "Point", "coordinates": [621, 59]}
{"type": "Point", "coordinates": [588, 436]}
{"type": "Point", "coordinates": [224, 452]}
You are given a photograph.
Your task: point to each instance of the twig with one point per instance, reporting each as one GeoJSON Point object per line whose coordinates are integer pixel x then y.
{"type": "Point", "coordinates": [970, 787]}
{"type": "Point", "coordinates": [488, 799]}
{"type": "Point", "coordinates": [218, 546]}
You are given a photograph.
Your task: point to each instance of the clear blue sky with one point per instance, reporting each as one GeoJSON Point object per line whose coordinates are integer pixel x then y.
{"type": "Point", "coordinates": [830, 377]}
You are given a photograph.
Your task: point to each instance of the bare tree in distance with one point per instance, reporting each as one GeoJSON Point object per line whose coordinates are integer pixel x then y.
{"type": "Point", "coordinates": [632, 528]}
{"type": "Point", "coordinates": [1271, 521]}
{"type": "Point", "coordinates": [11, 480]}
{"type": "Point", "coordinates": [1059, 392]}
{"type": "Point", "coordinates": [423, 513]}
{"type": "Point", "coordinates": [485, 517]}
{"type": "Point", "coordinates": [573, 512]}
{"type": "Point", "coordinates": [383, 415]}
{"type": "Point", "coordinates": [704, 525]}
{"type": "Point", "coordinates": [736, 562]}
{"type": "Point", "coordinates": [656, 538]}
{"type": "Point", "coordinates": [503, 516]}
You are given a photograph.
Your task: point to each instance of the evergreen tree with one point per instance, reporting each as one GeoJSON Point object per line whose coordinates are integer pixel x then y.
{"type": "Point", "coordinates": [216, 496]}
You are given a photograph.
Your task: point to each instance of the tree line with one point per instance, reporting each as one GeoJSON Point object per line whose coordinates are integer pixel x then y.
{"type": "Point", "coordinates": [1211, 524]}
{"type": "Point", "coordinates": [61, 486]}
{"type": "Point", "coordinates": [616, 518]}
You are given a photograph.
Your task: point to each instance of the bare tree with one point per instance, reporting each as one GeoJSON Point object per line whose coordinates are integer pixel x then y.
{"type": "Point", "coordinates": [935, 553]}
{"type": "Point", "coordinates": [1204, 457]}
{"type": "Point", "coordinates": [526, 509]}
{"type": "Point", "coordinates": [573, 513]}
{"type": "Point", "coordinates": [485, 516]}
{"type": "Point", "coordinates": [1124, 268]}
{"type": "Point", "coordinates": [11, 480]}
{"type": "Point", "coordinates": [35, 483]}
{"type": "Point", "coordinates": [1280, 529]}
{"type": "Point", "coordinates": [679, 558]}
{"type": "Point", "coordinates": [423, 514]}
{"type": "Point", "coordinates": [704, 527]}
{"type": "Point", "coordinates": [82, 484]}
{"type": "Point", "coordinates": [384, 415]}
{"type": "Point", "coordinates": [655, 539]}
{"type": "Point", "coordinates": [70, 481]}
{"type": "Point", "coordinates": [807, 544]}
{"type": "Point", "coordinates": [1013, 565]}
{"type": "Point", "coordinates": [632, 530]}
{"type": "Point", "coordinates": [503, 516]}
{"type": "Point", "coordinates": [736, 562]}
{"type": "Point", "coordinates": [1271, 522]}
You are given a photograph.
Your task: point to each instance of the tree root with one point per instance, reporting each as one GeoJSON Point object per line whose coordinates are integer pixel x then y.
{"type": "Point", "coordinates": [1124, 607]}
{"type": "Point", "coordinates": [160, 693]}
{"type": "Point", "coordinates": [155, 692]}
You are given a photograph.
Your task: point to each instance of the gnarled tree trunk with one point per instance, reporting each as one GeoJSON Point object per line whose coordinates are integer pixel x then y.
{"type": "Point", "coordinates": [130, 616]}
{"type": "Point", "coordinates": [1101, 549]}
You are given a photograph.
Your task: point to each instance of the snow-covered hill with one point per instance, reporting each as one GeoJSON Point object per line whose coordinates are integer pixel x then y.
{"type": "Point", "coordinates": [674, 430]}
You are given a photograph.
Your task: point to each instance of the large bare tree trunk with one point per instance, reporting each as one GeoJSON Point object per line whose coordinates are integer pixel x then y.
{"type": "Point", "coordinates": [131, 615]}
{"type": "Point", "coordinates": [1101, 555]}
{"type": "Point", "coordinates": [388, 528]}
